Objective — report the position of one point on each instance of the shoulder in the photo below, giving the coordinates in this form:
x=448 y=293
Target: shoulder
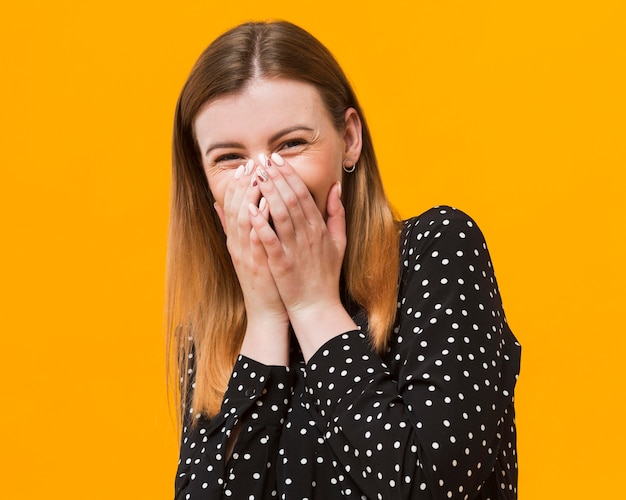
x=440 y=225
x=437 y=218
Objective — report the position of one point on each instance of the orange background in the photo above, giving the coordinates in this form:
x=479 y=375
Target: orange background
x=512 y=111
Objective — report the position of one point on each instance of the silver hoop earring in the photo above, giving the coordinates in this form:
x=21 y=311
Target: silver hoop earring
x=348 y=169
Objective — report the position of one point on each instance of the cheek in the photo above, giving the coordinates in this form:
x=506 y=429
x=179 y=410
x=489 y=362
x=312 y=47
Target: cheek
x=218 y=188
x=319 y=182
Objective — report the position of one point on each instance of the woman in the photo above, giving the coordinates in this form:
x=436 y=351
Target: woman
x=322 y=351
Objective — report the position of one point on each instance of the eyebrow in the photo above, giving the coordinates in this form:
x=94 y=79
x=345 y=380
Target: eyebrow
x=275 y=137
x=223 y=145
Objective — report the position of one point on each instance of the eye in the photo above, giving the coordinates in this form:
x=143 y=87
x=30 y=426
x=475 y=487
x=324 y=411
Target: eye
x=227 y=157
x=293 y=143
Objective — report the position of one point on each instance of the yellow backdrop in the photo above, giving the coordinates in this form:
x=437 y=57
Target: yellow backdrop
x=512 y=111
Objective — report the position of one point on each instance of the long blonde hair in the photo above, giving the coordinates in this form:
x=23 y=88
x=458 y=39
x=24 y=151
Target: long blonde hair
x=205 y=312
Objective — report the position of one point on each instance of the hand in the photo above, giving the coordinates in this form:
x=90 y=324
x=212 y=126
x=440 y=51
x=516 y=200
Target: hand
x=304 y=253
x=266 y=338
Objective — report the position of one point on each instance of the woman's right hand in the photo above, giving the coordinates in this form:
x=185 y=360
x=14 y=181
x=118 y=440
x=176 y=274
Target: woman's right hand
x=267 y=333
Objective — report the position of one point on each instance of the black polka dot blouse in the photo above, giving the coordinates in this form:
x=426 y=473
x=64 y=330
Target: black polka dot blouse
x=431 y=419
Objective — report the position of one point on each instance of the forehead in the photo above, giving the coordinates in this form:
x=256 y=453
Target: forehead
x=265 y=102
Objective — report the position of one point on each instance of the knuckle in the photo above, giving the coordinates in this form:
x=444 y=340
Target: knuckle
x=291 y=201
x=242 y=220
x=301 y=191
x=280 y=217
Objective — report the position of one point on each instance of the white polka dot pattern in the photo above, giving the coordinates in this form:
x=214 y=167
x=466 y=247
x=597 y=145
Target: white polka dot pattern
x=431 y=419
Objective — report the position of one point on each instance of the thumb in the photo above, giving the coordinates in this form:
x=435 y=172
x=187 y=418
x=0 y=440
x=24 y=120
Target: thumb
x=220 y=214
x=336 y=221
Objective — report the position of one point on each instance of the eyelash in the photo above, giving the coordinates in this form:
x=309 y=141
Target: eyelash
x=227 y=157
x=291 y=143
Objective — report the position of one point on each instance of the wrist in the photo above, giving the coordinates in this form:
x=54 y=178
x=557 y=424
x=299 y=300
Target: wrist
x=316 y=324
x=267 y=339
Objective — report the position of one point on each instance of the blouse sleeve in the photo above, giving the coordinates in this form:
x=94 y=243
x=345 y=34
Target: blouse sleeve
x=436 y=427
x=256 y=401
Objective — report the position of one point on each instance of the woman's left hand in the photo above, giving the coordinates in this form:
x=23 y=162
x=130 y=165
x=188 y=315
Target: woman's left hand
x=305 y=253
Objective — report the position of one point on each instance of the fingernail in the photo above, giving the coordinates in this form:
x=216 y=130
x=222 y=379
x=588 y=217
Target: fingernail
x=262 y=204
x=253 y=182
x=254 y=211
x=278 y=159
x=339 y=190
x=238 y=172
x=249 y=166
x=264 y=160
x=262 y=174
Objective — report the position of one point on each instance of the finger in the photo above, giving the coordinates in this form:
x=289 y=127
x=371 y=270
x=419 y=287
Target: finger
x=282 y=215
x=229 y=195
x=336 y=220
x=235 y=218
x=287 y=195
x=264 y=208
x=284 y=175
x=220 y=214
x=236 y=192
x=240 y=180
x=266 y=235
x=250 y=195
x=265 y=213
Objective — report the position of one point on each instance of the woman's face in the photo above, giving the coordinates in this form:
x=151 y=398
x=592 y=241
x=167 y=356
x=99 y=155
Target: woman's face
x=276 y=116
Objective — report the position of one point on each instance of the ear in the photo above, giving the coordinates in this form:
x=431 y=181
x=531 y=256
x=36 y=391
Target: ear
x=353 y=135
